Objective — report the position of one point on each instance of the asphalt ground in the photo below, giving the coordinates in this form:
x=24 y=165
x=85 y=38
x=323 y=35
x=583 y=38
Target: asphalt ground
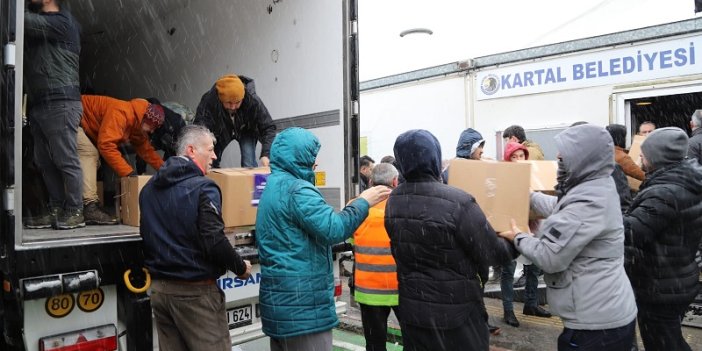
x=533 y=334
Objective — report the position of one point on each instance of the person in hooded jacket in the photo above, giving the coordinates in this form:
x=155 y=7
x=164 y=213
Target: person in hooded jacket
x=470 y=146
x=515 y=151
x=295 y=229
x=663 y=228
x=441 y=242
x=185 y=249
x=232 y=110
x=580 y=245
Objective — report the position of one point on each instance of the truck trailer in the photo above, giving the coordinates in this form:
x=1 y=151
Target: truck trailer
x=66 y=289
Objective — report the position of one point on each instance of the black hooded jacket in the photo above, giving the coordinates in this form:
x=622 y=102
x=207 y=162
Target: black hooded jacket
x=663 y=228
x=252 y=118
x=440 y=239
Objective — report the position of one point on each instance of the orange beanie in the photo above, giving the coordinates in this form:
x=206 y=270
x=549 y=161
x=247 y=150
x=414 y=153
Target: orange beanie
x=230 y=88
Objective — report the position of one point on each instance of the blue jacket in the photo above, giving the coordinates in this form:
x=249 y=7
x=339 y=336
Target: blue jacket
x=175 y=245
x=295 y=229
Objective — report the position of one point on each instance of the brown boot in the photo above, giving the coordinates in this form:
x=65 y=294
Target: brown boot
x=94 y=215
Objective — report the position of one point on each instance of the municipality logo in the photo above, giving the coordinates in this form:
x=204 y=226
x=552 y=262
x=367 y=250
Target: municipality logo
x=490 y=84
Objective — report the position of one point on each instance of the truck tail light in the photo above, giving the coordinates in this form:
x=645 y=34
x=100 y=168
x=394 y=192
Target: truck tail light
x=103 y=338
x=337 y=287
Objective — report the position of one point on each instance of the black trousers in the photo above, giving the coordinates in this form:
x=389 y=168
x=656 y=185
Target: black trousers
x=615 y=339
x=472 y=335
x=375 y=325
x=660 y=327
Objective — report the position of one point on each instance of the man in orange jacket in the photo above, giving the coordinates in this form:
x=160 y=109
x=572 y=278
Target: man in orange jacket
x=105 y=125
x=375 y=277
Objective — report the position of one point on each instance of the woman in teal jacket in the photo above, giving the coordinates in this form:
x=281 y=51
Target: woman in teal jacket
x=295 y=229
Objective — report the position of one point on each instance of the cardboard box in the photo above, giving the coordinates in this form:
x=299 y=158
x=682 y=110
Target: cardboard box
x=129 y=198
x=500 y=188
x=635 y=154
x=241 y=189
x=543 y=176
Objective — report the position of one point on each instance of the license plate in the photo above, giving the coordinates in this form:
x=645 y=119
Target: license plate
x=239 y=316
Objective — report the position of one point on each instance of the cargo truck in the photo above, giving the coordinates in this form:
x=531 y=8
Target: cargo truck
x=83 y=289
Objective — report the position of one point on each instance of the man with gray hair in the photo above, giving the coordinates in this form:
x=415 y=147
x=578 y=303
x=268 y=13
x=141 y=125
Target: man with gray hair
x=695 y=149
x=375 y=287
x=185 y=249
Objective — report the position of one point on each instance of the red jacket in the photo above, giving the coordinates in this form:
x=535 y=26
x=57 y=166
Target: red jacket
x=109 y=122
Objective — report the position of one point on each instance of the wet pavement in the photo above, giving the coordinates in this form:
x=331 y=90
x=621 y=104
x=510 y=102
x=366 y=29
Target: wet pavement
x=533 y=334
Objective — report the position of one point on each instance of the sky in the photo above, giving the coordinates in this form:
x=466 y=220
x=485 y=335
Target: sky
x=464 y=29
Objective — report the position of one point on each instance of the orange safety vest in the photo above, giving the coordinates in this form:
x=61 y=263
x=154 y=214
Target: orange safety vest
x=375 y=277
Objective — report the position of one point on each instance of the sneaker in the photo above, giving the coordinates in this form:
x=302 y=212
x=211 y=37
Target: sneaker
x=536 y=311
x=511 y=319
x=43 y=221
x=71 y=219
x=94 y=215
x=521 y=281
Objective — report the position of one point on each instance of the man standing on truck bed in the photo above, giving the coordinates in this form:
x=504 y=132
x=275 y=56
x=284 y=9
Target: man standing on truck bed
x=107 y=123
x=52 y=48
x=185 y=248
x=232 y=110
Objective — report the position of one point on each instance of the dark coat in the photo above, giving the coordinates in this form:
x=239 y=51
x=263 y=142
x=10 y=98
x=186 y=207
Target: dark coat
x=695 y=148
x=663 y=228
x=251 y=119
x=439 y=237
x=181 y=225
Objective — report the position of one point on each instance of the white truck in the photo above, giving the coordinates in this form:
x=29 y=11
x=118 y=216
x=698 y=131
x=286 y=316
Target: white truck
x=65 y=290
x=648 y=74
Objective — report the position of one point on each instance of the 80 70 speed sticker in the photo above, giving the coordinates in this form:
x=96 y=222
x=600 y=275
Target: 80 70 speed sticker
x=60 y=305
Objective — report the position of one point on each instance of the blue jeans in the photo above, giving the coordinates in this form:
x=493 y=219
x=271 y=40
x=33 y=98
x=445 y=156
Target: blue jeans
x=247 y=146
x=615 y=339
x=507 y=285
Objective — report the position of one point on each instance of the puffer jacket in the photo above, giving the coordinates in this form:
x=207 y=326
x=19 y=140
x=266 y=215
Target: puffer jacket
x=252 y=118
x=439 y=237
x=663 y=230
x=295 y=229
x=109 y=122
x=580 y=244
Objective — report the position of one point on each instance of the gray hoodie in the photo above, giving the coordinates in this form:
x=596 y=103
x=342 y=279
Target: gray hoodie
x=580 y=245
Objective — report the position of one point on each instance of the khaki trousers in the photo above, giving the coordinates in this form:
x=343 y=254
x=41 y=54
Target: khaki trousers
x=89 y=163
x=190 y=317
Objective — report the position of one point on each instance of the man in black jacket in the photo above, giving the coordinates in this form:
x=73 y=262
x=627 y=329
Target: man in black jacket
x=185 y=248
x=52 y=49
x=695 y=150
x=232 y=110
x=663 y=228
x=440 y=240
